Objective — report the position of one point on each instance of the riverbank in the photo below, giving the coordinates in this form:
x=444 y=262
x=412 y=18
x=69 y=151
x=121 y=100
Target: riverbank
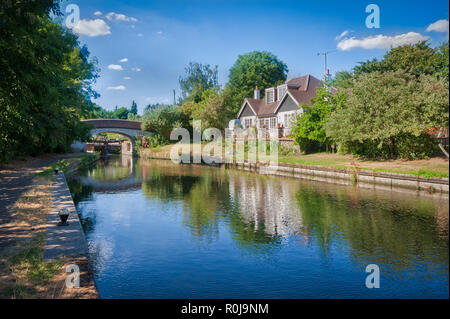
x=424 y=175
x=26 y=192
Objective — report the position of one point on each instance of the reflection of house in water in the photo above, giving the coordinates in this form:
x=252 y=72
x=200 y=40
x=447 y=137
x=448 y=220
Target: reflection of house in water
x=266 y=203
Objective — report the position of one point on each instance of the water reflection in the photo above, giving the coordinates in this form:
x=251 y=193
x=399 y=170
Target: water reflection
x=289 y=222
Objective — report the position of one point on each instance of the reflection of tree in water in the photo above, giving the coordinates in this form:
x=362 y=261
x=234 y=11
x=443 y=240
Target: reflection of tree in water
x=207 y=201
x=79 y=191
x=88 y=221
x=82 y=193
x=392 y=231
x=111 y=169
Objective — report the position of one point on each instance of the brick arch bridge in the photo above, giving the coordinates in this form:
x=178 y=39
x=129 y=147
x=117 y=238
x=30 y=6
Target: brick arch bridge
x=130 y=129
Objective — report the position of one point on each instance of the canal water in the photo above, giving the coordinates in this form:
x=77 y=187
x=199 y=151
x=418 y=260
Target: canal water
x=160 y=230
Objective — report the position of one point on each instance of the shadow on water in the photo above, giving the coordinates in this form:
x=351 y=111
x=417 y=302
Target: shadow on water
x=285 y=221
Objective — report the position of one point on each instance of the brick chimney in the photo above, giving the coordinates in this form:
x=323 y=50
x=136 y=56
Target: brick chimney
x=257 y=94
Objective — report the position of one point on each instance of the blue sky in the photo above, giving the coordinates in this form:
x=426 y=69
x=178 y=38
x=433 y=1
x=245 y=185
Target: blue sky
x=156 y=39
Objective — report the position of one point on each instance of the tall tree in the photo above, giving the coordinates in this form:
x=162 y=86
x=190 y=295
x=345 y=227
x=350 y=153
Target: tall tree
x=309 y=128
x=257 y=68
x=134 y=108
x=46 y=80
x=198 y=78
x=342 y=80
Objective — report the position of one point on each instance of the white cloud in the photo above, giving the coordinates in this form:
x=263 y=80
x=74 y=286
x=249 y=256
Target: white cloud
x=117 y=88
x=381 y=41
x=126 y=78
x=91 y=28
x=112 y=16
x=159 y=33
x=124 y=60
x=343 y=34
x=98 y=13
x=140 y=35
x=136 y=69
x=438 y=26
x=115 y=67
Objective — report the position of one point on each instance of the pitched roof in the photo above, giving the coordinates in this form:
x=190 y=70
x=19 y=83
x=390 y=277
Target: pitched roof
x=302 y=89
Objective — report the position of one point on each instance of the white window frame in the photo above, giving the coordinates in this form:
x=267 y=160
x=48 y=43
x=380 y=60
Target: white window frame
x=281 y=91
x=272 y=92
x=273 y=122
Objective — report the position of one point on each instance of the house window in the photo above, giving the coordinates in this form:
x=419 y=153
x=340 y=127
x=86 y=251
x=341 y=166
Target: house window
x=273 y=122
x=248 y=123
x=270 y=95
x=288 y=119
x=261 y=123
x=281 y=91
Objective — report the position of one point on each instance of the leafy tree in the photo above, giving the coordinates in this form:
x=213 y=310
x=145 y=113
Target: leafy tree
x=121 y=113
x=211 y=110
x=257 y=68
x=309 y=128
x=46 y=80
x=388 y=114
x=198 y=79
x=342 y=80
x=164 y=119
x=134 y=108
x=417 y=59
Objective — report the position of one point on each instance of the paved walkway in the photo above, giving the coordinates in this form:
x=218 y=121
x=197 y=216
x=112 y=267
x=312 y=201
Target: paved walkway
x=63 y=241
x=15 y=179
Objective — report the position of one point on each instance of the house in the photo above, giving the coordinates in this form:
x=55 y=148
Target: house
x=280 y=104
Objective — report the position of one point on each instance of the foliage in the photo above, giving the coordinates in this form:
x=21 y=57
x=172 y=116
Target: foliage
x=198 y=79
x=164 y=119
x=257 y=68
x=387 y=115
x=134 y=108
x=133 y=117
x=121 y=113
x=211 y=109
x=46 y=81
x=342 y=80
x=309 y=128
x=152 y=141
x=416 y=59
x=152 y=106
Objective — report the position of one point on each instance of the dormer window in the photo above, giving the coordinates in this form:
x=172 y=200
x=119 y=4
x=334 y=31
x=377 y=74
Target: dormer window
x=270 y=95
x=281 y=90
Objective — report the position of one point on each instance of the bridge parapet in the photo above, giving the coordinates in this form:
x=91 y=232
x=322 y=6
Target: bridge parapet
x=130 y=129
x=114 y=123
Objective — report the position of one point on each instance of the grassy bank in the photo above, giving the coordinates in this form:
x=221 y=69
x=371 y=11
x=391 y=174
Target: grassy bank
x=431 y=168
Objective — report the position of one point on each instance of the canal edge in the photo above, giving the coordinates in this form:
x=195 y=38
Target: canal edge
x=68 y=243
x=357 y=177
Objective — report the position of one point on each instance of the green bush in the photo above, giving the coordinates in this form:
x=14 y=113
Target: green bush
x=163 y=119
